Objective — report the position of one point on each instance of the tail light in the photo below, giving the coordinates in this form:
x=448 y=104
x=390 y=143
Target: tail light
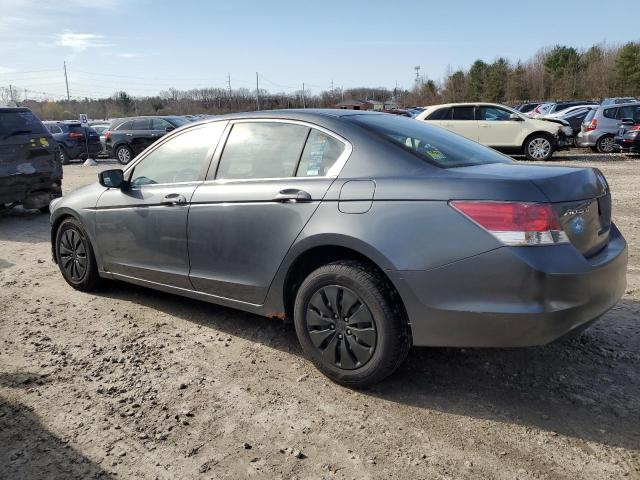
x=593 y=125
x=107 y=135
x=76 y=135
x=515 y=223
x=635 y=128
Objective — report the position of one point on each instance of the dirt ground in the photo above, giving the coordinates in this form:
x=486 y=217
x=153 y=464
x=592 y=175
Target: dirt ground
x=132 y=383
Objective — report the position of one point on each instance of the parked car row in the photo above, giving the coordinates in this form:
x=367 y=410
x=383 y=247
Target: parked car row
x=74 y=141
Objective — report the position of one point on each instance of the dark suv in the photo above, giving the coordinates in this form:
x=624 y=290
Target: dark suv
x=72 y=139
x=30 y=172
x=127 y=137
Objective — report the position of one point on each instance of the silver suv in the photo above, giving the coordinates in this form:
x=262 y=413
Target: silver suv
x=601 y=125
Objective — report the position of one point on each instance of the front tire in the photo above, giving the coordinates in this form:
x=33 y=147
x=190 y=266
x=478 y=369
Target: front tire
x=75 y=257
x=538 y=147
x=350 y=323
x=605 y=144
x=123 y=154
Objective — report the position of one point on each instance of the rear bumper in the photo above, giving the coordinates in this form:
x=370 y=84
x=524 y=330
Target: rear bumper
x=626 y=147
x=34 y=191
x=78 y=151
x=587 y=139
x=513 y=296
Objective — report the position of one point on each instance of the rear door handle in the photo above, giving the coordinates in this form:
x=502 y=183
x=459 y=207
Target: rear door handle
x=292 y=195
x=129 y=134
x=174 y=199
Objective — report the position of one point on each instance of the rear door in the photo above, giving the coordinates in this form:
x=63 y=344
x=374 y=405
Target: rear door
x=462 y=120
x=496 y=129
x=141 y=134
x=270 y=178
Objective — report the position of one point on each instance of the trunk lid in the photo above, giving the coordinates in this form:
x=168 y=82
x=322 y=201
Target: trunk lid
x=580 y=196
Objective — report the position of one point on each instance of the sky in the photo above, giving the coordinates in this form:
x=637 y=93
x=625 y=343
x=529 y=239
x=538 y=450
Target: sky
x=145 y=46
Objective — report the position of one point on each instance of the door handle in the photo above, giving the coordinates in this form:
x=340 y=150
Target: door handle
x=129 y=134
x=484 y=125
x=292 y=195
x=174 y=199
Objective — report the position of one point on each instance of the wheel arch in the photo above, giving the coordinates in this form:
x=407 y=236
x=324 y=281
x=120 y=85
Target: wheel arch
x=55 y=224
x=539 y=133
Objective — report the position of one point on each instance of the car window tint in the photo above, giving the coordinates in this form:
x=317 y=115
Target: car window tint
x=160 y=124
x=610 y=112
x=54 y=129
x=320 y=153
x=462 y=113
x=180 y=159
x=24 y=122
x=438 y=114
x=433 y=144
x=125 y=126
x=493 y=114
x=140 y=124
x=262 y=150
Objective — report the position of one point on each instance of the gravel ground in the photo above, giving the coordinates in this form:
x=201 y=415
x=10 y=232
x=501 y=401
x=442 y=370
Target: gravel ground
x=132 y=383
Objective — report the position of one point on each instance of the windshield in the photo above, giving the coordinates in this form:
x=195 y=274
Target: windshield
x=433 y=144
x=19 y=122
x=179 y=121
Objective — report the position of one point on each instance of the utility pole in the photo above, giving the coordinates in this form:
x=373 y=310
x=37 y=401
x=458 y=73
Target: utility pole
x=229 y=83
x=11 y=93
x=417 y=69
x=66 y=81
x=257 y=92
x=304 y=105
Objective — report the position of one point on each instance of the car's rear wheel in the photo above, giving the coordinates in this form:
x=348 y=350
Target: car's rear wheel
x=350 y=323
x=75 y=257
x=538 y=147
x=123 y=154
x=605 y=144
x=63 y=156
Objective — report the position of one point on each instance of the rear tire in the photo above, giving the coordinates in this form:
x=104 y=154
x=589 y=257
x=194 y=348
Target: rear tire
x=605 y=144
x=123 y=154
x=63 y=155
x=75 y=257
x=538 y=147
x=350 y=323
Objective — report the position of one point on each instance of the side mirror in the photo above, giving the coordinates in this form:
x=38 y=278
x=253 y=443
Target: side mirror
x=516 y=117
x=169 y=129
x=112 y=178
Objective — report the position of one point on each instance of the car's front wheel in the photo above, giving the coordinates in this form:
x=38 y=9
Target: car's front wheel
x=350 y=323
x=538 y=147
x=75 y=257
x=123 y=154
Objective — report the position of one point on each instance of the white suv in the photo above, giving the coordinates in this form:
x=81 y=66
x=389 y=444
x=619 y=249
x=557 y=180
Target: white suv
x=501 y=127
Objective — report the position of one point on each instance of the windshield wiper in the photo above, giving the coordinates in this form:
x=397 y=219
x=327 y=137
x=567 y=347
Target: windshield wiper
x=17 y=132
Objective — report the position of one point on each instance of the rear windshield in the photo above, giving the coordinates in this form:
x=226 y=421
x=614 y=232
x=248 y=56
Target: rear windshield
x=433 y=144
x=590 y=115
x=16 y=123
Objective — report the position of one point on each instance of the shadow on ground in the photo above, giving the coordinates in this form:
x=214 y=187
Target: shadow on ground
x=29 y=451
x=587 y=387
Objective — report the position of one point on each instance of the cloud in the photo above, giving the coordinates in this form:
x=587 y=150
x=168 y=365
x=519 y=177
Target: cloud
x=79 y=42
x=128 y=55
x=5 y=70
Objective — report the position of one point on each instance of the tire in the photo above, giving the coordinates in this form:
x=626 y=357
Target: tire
x=362 y=345
x=605 y=144
x=538 y=147
x=63 y=155
x=75 y=257
x=123 y=154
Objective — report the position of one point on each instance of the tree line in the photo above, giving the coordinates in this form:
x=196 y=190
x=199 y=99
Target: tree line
x=552 y=73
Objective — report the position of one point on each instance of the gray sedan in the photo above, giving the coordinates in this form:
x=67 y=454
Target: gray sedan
x=371 y=232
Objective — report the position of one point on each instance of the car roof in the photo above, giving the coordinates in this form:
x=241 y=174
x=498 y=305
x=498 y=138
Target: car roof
x=14 y=109
x=431 y=108
x=291 y=114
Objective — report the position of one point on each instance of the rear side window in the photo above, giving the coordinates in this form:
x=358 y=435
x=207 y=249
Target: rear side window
x=463 y=113
x=160 y=124
x=628 y=111
x=432 y=144
x=610 y=112
x=179 y=159
x=438 y=114
x=320 y=153
x=54 y=128
x=125 y=126
x=16 y=123
x=141 y=124
x=262 y=150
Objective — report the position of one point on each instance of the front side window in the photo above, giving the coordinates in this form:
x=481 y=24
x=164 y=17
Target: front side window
x=262 y=150
x=180 y=159
x=435 y=145
x=494 y=114
x=320 y=153
x=160 y=124
x=463 y=113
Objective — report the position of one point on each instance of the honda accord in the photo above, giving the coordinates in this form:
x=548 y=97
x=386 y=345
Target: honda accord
x=371 y=232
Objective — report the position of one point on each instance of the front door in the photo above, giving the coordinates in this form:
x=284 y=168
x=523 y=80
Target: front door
x=268 y=183
x=142 y=230
x=497 y=129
